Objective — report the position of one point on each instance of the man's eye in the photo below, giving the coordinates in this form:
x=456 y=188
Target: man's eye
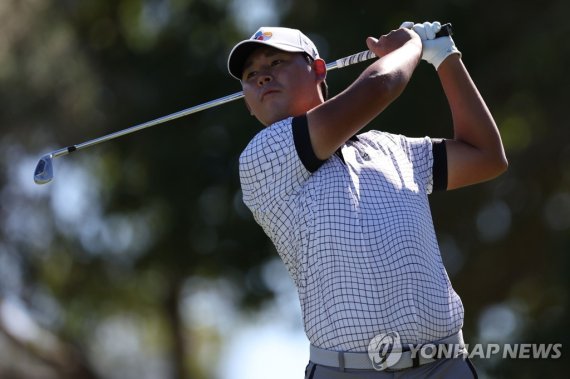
x=250 y=74
x=276 y=62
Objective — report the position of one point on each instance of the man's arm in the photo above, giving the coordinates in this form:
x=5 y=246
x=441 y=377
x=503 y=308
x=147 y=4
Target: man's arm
x=332 y=123
x=475 y=153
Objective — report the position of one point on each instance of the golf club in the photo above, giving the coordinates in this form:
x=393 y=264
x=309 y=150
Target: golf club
x=44 y=169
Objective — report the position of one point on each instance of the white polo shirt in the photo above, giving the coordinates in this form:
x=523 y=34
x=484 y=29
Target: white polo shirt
x=356 y=235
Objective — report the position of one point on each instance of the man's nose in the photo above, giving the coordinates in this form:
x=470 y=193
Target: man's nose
x=264 y=79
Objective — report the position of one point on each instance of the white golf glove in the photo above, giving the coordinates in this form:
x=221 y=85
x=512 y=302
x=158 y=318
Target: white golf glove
x=435 y=50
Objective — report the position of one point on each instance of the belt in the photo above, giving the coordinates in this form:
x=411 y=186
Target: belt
x=411 y=356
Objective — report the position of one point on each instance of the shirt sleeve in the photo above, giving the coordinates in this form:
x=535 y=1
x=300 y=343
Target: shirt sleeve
x=271 y=177
x=429 y=159
x=420 y=154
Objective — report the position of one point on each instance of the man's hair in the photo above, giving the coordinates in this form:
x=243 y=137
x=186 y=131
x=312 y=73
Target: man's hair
x=324 y=86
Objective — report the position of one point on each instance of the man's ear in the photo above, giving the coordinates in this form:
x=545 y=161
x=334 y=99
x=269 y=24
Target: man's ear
x=320 y=68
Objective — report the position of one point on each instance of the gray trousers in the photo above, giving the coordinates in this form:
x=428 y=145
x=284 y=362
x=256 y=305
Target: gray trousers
x=447 y=368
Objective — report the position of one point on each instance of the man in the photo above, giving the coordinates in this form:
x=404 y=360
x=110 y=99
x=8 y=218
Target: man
x=349 y=214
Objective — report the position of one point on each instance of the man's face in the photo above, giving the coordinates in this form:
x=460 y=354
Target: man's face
x=278 y=84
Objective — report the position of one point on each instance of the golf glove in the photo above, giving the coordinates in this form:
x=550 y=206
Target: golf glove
x=435 y=50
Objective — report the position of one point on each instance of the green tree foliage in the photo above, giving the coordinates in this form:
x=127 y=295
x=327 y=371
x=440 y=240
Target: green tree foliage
x=119 y=237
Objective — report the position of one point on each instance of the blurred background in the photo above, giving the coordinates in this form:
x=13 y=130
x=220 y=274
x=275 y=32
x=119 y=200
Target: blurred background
x=140 y=260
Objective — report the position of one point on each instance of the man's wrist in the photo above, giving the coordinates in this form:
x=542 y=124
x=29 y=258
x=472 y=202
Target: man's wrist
x=450 y=61
x=450 y=58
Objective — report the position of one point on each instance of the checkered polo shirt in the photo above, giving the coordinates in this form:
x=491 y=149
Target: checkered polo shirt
x=355 y=233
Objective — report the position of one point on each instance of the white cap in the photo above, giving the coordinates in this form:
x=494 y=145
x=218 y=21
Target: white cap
x=291 y=40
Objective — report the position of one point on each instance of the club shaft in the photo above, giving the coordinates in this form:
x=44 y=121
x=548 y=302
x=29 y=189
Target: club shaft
x=353 y=59
x=340 y=63
x=148 y=124
x=347 y=61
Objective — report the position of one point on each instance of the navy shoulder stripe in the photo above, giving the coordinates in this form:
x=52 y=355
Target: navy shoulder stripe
x=439 y=165
x=303 y=144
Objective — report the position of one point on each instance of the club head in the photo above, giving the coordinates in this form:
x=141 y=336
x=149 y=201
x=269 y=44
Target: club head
x=44 y=170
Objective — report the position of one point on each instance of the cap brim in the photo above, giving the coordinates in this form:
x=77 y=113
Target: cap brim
x=243 y=50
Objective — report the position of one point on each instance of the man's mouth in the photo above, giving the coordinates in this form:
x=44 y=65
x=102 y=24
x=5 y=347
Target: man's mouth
x=268 y=92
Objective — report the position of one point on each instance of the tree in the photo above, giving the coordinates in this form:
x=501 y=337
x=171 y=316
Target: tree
x=105 y=255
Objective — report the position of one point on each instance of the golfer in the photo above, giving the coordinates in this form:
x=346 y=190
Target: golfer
x=348 y=213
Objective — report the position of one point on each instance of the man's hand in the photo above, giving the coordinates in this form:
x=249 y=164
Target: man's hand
x=392 y=41
x=435 y=50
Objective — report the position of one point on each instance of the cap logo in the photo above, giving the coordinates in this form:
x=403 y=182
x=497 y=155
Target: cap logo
x=262 y=36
